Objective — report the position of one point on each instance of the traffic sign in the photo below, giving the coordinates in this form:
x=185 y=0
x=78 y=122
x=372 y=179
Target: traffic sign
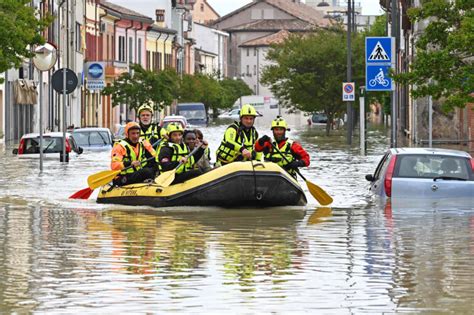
x=57 y=81
x=377 y=78
x=379 y=50
x=348 y=91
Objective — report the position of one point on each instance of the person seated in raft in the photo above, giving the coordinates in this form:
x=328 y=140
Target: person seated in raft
x=148 y=130
x=174 y=151
x=190 y=138
x=294 y=153
x=131 y=151
x=239 y=139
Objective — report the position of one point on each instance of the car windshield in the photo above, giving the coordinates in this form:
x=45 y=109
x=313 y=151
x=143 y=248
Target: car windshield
x=50 y=145
x=193 y=114
x=432 y=166
x=87 y=138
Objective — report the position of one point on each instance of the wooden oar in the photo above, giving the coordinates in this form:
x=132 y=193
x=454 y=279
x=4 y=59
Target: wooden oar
x=165 y=179
x=317 y=192
x=102 y=178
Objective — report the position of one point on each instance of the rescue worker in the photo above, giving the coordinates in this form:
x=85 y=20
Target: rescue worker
x=191 y=138
x=148 y=130
x=239 y=139
x=174 y=150
x=294 y=153
x=131 y=151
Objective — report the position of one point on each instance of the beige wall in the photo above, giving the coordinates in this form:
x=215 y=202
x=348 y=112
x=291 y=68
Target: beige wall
x=202 y=12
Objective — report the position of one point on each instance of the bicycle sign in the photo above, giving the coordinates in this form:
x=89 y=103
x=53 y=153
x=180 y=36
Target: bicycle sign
x=377 y=78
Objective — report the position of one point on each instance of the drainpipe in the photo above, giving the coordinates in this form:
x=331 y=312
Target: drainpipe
x=164 y=49
x=156 y=43
x=136 y=41
x=128 y=61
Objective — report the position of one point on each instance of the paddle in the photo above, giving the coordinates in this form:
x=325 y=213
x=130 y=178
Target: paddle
x=102 y=178
x=165 y=179
x=317 y=192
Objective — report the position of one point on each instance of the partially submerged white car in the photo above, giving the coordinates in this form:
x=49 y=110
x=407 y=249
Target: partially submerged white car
x=29 y=146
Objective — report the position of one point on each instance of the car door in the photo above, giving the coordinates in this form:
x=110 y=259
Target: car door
x=377 y=185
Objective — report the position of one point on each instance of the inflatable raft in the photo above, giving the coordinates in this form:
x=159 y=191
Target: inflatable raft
x=239 y=184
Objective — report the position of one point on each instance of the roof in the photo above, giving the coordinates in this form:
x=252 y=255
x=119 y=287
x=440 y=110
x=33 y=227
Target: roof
x=436 y=151
x=299 y=11
x=273 y=25
x=267 y=40
x=160 y=29
x=127 y=13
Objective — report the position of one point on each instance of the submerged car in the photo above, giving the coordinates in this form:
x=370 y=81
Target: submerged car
x=95 y=139
x=423 y=173
x=29 y=146
x=174 y=119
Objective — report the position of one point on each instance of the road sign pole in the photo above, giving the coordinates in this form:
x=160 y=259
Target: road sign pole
x=394 y=92
x=64 y=116
x=362 y=121
x=41 y=118
x=349 y=74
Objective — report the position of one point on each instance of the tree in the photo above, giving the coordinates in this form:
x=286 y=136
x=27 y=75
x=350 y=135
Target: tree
x=308 y=71
x=443 y=65
x=21 y=30
x=156 y=89
x=233 y=90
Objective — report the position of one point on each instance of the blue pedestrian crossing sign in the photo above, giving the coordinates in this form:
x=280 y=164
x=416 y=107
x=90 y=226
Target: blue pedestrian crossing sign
x=379 y=50
x=377 y=78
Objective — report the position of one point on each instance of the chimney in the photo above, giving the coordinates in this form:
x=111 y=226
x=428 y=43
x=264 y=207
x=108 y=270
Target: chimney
x=160 y=17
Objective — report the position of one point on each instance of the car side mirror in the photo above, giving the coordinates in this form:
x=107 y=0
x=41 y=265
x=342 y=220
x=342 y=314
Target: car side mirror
x=15 y=151
x=370 y=177
x=79 y=150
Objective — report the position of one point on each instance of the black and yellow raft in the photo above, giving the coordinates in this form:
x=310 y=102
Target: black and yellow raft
x=239 y=184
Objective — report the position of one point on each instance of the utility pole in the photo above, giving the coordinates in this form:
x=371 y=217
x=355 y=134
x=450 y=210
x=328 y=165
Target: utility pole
x=394 y=93
x=349 y=72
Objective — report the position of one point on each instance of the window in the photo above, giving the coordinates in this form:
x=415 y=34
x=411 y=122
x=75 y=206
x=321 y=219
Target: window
x=148 y=60
x=248 y=70
x=139 y=57
x=255 y=52
x=160 y=61
x=248 y=52
x=121 y=50
x=78 y=37
x=202 y=7
x=255 y=89
x=254 y=69
x=130 y=50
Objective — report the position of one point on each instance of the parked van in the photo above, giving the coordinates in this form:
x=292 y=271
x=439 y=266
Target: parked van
x=195 y=113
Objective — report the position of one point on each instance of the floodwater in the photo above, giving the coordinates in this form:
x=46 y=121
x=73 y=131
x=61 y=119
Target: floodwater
x=61 y=256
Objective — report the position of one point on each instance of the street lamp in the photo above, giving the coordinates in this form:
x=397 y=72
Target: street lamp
x=44 y=59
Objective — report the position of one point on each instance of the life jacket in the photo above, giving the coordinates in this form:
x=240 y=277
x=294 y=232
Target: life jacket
x=179 y=150
x=131 y=156
x=152 y=134
x=227 y=153
x=277 y=157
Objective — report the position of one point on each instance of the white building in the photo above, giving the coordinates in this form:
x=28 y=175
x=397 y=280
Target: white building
x=210 y=50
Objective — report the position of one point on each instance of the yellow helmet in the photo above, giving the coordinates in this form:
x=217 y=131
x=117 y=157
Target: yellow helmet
x=174 y=127
x=144 y=107
x=248 y=110
x=279 y=123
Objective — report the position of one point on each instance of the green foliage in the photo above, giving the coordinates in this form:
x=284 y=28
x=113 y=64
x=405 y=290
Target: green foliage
x=20 y=31
x=308 y=71
x=444 y=53
x=156 y=89
x=233 y=89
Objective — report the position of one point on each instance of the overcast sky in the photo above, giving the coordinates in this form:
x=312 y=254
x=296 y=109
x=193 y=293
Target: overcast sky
x=147 y=7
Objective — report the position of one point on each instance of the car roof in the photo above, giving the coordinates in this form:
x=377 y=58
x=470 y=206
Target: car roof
x=91 y=129
x=174 y=118
x=46 y=134
x=434 y=151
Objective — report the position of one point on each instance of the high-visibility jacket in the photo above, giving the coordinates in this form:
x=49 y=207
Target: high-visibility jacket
x=152 y=133
x=177 y=151
x=236 y=139
x=282 y=158
x=124 y=153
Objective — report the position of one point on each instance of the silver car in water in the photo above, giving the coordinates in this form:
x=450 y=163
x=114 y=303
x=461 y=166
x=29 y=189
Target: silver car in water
x=424 y=173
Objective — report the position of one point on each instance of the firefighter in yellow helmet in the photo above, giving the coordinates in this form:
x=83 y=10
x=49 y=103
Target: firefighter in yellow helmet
x=239 y=139
x=149 y=130
x=173 y=151
x=287 y=153
x=130 y=154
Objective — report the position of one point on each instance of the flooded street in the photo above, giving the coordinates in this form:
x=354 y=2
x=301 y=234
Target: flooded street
x=62 y=256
